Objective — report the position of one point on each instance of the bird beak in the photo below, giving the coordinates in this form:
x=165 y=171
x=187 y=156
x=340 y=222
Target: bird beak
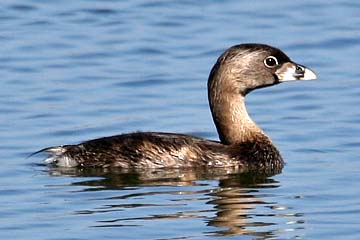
x=291 y=71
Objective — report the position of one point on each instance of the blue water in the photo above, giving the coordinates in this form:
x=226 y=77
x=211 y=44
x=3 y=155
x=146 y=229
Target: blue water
x=76 y=70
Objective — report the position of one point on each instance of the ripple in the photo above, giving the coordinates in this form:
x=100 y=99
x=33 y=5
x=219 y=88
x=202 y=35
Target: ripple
x=23 y=7
x=95 y=68
x=100 y=11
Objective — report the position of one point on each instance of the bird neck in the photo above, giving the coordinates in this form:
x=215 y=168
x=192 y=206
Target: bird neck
x=233 y=123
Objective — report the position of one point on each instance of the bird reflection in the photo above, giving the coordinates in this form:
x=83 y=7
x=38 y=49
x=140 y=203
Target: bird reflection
x=236 y=203
x=242 y=203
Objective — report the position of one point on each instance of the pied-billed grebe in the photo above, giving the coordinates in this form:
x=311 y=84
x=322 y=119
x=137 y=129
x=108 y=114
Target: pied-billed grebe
x=243 y=145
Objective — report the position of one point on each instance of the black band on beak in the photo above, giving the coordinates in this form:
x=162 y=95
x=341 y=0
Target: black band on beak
x=299 y=71
x=290 y=71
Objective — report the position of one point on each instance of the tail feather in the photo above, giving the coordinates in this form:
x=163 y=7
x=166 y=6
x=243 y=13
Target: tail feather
x=57 y=155
x=56 y=149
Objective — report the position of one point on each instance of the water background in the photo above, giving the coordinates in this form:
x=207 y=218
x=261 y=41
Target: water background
x=76 y=70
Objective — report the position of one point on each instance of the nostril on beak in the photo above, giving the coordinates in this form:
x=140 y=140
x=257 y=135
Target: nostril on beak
x=299 y=71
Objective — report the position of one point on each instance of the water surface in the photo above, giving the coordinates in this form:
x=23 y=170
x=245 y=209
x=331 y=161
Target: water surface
x=76 y=70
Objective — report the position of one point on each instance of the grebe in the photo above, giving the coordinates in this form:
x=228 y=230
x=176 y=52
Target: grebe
x=243 y=145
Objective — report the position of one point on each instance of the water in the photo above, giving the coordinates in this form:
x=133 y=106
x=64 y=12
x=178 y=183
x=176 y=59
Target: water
x=76 y=70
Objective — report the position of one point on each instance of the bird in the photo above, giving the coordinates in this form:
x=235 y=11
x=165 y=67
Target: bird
x=242 y=143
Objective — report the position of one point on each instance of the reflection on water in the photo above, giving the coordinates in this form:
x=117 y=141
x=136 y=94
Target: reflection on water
x=87 y=69
x=245 y=210
x=233 y=203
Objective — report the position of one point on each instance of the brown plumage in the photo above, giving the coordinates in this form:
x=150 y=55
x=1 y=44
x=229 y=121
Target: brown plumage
x=243 y=145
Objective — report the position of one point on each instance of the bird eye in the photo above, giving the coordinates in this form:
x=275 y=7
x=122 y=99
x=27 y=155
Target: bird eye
x=271 y=62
